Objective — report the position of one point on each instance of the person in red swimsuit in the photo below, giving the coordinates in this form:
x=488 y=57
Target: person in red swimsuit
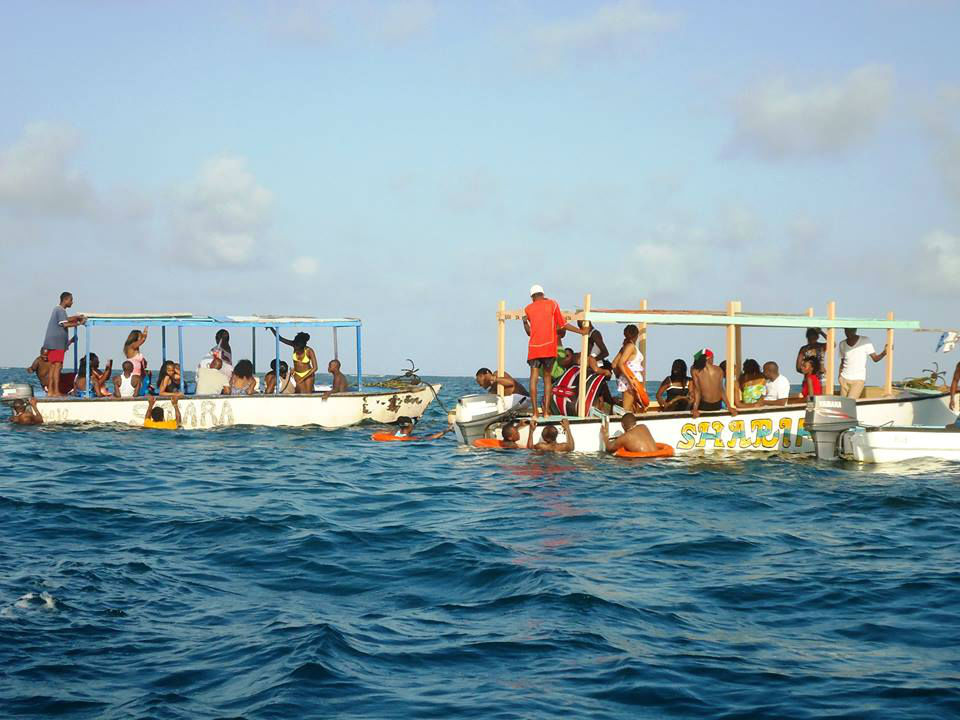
x=542 y=321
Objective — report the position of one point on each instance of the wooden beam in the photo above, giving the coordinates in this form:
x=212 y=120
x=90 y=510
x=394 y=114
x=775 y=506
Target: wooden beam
x=584 y=358
x=831 y=348
x=888 y=385
x=501 y=344
x=738 y=307
x=642 y=340
x=731 y=356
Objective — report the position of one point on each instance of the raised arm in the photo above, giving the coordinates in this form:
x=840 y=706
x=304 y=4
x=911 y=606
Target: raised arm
x=533 y=426
x=176 y=410
x=568 y=445
x=281 y=338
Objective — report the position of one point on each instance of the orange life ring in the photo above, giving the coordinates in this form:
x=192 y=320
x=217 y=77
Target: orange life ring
x=390 y=437
x=663 y=450
x=488 y=443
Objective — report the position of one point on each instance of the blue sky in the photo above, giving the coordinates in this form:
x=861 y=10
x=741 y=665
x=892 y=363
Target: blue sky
x=412 y=162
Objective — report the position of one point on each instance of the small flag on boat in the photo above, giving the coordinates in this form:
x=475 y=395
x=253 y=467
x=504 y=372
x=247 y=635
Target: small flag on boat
x=947 y=342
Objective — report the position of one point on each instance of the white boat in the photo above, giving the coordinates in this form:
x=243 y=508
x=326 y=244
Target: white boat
x=767 y=428
x=770 y=429
x=840 y=429
x=214 y=411
x=274 y=410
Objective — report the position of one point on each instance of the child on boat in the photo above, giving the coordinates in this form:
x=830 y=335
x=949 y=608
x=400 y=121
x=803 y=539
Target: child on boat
x=126 y=384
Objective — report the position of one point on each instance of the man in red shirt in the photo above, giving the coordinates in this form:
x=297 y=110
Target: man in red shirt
x=543 y=320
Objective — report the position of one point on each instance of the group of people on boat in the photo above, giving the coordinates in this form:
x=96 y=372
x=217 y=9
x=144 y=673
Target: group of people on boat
x=216 y=373
x=699 y=388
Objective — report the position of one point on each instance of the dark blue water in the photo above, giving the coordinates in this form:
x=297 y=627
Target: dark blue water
x=300 y=573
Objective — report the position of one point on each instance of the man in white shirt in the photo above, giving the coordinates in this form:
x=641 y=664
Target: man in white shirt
x=854 y=352
x=778 y=387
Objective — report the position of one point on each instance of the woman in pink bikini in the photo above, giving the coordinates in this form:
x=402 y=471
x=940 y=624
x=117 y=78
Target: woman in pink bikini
x=131 y=351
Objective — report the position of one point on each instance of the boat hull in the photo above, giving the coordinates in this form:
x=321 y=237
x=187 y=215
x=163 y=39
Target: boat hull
x=771 y=429
x=897 y=444
x=213 y=411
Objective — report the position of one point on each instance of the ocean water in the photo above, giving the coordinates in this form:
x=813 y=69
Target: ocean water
x=261 y=573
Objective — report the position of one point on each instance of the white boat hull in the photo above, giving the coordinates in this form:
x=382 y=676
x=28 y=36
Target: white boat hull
x=896 y=444
x=213 y=411
x=773 y=429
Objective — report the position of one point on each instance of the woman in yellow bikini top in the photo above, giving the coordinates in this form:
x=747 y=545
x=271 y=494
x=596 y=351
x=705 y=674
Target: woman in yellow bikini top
x=304 y=361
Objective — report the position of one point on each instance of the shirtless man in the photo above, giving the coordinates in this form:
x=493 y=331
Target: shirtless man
x=511 y=437
x=26 y=414
x=340 y=382
x=41 y=368
x=488 y=380
x=635 y=438
x=706 y=384
x=548 y=438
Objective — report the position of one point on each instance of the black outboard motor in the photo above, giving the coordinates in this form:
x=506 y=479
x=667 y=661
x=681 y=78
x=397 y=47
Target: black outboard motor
x=827 y=417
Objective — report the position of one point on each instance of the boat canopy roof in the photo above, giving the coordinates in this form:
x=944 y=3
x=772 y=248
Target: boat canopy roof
x=191 y=320
x=742 y=319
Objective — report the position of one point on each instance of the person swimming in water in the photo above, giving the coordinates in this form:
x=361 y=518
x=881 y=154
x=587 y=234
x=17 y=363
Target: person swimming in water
x=26 y=413
x=405 y=426
x=155 y=418
x=635 y=438
x=305 y=364
x=548 y=438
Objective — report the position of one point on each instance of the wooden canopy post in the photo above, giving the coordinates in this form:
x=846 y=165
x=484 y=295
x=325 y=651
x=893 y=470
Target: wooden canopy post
x=810 y=312
x=738 y=307
x=831 y=347
x=584 y=362
x=888 y=386
x=501 y=344
x=642 y=341
x=731 y=356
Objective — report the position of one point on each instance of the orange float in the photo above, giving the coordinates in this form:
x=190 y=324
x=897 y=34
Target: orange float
x=663 y=451
x=489 y=443
x=390 y=437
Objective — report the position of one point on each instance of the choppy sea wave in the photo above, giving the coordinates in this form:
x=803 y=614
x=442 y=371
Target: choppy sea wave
x=268 y=573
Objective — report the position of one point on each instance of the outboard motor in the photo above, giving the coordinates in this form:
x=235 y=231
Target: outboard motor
x=15 y=391
x=827 y=417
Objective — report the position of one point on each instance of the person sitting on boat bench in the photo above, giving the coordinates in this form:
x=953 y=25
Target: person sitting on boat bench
x=488 y=380
x=242 y=381
x=156 y=419
x=126 y=384
x=98 y=380
x=777 y=391
x=673 y=395
x=26 y=413
x=854 y=351
x=548 y=438
x=305 y=363
x=287 y=386
x=635 y=438
x=211 y=379
x=707 y=383
x=340 y=382
x=168 y=382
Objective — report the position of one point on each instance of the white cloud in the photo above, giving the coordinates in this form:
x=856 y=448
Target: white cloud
x=937 y=265
x=223 y=214
x=37 y=177
x=775 y=121
x=611 y=28
x=401 y=20
x=305 y=266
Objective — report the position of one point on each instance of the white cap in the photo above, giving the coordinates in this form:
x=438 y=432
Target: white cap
x=534 y=289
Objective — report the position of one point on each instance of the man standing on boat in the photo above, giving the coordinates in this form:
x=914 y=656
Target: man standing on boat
x=57 y=340
x=542 y=320
x=854 y=352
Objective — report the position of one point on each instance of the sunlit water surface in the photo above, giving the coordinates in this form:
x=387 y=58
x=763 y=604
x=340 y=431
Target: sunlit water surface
x=267 y=573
